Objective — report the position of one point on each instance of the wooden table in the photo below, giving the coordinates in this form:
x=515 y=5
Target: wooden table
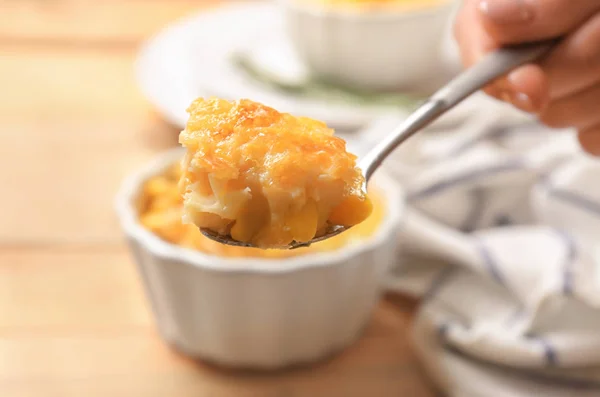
x=73 y=319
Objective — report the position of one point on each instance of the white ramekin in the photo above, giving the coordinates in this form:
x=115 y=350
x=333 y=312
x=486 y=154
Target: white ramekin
x=375 y=50
x=260 y=313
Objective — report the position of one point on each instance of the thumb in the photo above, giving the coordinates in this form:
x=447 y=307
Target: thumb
x=518 y=21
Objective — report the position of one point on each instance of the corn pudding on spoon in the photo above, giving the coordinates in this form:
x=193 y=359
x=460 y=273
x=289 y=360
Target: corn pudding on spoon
x=356 y=205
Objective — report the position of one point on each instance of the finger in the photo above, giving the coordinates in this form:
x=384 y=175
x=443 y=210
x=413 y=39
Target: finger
x=474 y=42
x=526 y=88
x=472 y=39
x=579 y=110
x=590 y=140
x=575 y=63
x=518 y=21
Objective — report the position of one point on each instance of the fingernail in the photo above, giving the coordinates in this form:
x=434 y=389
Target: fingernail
x=518 y=99
x=522 y=101
x=506 y=11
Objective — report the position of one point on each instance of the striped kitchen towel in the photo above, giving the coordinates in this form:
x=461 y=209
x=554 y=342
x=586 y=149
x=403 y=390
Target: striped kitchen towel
x=502 y=243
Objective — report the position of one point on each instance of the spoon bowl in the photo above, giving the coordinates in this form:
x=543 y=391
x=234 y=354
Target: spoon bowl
x=331 y=231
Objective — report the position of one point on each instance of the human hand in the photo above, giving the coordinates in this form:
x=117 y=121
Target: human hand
x=563 y=89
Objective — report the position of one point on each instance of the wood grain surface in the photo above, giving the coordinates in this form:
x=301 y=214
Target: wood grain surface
x=73 y=319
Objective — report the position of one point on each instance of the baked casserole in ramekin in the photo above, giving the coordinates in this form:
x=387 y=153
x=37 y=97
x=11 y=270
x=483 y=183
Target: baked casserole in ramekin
x=243 y=307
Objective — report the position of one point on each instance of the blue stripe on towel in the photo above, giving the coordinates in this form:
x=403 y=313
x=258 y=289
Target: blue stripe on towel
x=549 y=351
x=466 y=177
x=489 y=262
x=575 y=199
x=548 y=379
x=443 y=330
x=503 y=220
x=475 y=212
x=571 y=257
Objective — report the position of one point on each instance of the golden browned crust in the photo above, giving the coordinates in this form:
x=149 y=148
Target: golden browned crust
x=266 y=177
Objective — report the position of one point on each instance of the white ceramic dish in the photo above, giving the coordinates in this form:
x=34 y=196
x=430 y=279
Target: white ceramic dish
x=191 y=58
x=383 y=49
x=259 y=313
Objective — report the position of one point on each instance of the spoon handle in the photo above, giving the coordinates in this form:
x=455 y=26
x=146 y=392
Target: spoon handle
x=492 y=66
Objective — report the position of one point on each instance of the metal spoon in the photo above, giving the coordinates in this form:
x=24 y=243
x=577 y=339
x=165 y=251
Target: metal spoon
x=492 y=66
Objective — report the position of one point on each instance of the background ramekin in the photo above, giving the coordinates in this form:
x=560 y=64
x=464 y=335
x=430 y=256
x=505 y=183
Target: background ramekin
x=260 y=313
x=375 y=50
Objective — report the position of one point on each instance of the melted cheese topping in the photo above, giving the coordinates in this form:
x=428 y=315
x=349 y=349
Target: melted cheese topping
x=265 y=177
x=161 y=210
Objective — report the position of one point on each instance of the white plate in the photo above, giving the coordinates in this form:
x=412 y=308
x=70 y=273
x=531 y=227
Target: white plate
x=191 y=58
